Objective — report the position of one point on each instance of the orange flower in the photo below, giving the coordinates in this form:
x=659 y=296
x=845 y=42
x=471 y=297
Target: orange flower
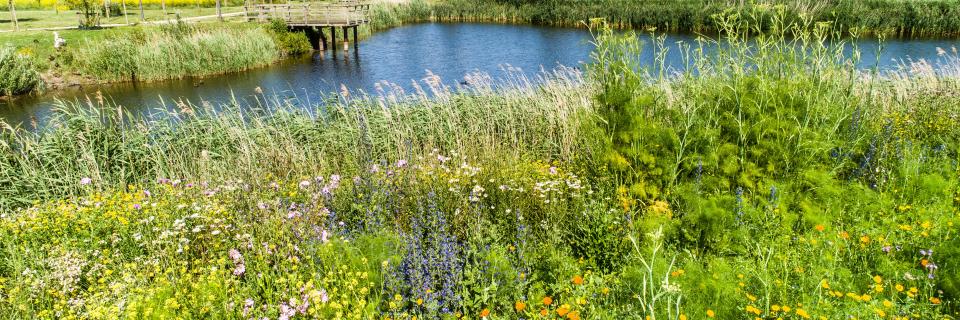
x=563 y=310
x=547 y=301
x=519 y=306
x=820 y=227
x=577 y=280
x=485 y=313
x=934 y=300
x=573 y=315
x=544 y=312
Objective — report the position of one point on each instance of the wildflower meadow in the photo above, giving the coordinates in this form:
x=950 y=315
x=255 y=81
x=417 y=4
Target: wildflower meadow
x=769 y=179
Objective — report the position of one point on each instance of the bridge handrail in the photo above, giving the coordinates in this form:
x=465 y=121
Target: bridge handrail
x=343 y=13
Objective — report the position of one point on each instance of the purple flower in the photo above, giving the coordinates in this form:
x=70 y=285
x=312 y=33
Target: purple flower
x=553 y=170
x=85 y=181
x=136 y=206
x=401 y=163
x=146 y=193
x=304 y=184
x=239 y=268
x=886 y=249
x=286 y=312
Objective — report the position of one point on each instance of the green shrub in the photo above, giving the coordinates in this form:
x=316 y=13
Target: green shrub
x=289 y=42
x=18 y=74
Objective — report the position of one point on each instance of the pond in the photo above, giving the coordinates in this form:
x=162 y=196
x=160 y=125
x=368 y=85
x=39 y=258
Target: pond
x=402 y=56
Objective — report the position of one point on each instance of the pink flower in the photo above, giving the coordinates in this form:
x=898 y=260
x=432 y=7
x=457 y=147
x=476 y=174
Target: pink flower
x=85 y=181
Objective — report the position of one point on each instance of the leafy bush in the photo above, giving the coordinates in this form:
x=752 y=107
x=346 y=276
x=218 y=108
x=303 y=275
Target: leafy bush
x=289 y=42
x=18 y=74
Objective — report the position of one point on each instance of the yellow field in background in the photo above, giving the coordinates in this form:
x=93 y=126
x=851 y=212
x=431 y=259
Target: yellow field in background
x=70 y=4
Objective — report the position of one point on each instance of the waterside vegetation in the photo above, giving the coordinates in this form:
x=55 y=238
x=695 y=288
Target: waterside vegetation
x=761 y=181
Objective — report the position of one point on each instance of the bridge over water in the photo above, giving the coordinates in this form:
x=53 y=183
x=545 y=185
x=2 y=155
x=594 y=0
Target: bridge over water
x=313 y=17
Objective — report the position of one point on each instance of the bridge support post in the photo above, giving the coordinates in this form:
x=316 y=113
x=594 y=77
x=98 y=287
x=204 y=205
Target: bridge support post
x=346 y=39
x=315 y=37
x=356 y=41
x=333 y=39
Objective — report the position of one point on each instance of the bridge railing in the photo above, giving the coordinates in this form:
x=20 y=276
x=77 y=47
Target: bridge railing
x=344 y=13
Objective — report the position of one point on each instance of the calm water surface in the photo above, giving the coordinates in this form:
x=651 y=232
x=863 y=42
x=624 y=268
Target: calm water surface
x=401 y=56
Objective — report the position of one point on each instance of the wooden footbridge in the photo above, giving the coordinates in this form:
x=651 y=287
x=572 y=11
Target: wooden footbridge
x=315 y=16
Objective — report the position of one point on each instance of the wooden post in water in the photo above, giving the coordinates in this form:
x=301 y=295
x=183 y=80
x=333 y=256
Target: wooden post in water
x=13 y=14
x=323 y=39
x=333 y=38
x=346 y=39
x=356 y=41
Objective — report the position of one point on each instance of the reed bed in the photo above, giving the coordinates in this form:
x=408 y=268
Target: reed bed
x=174 y=52
x=288 y=138
x=901 y=18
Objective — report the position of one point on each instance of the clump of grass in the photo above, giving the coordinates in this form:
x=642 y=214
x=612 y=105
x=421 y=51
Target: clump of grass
x=174 y=52
x=18 y=74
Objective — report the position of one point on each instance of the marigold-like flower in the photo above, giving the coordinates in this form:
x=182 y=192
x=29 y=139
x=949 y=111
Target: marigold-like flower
x=520 y=305
x=547 y=301
x=577 y=280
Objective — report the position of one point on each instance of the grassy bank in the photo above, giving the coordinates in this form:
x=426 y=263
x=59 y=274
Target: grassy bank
x=901 y=18
x=762 y=181
x=147 y=53
x=174 y=52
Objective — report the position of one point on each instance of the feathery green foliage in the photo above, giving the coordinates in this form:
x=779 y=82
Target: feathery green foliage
x=18 y=75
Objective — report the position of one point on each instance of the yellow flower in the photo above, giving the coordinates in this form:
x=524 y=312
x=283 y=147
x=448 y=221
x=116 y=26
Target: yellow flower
x=877 y=279
x=547 y=301
x=520 y=305
x=802 y=313
x=420 y=301
x=710 y=313
x=683 y=317
x=934 y=300
x=899 y=287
